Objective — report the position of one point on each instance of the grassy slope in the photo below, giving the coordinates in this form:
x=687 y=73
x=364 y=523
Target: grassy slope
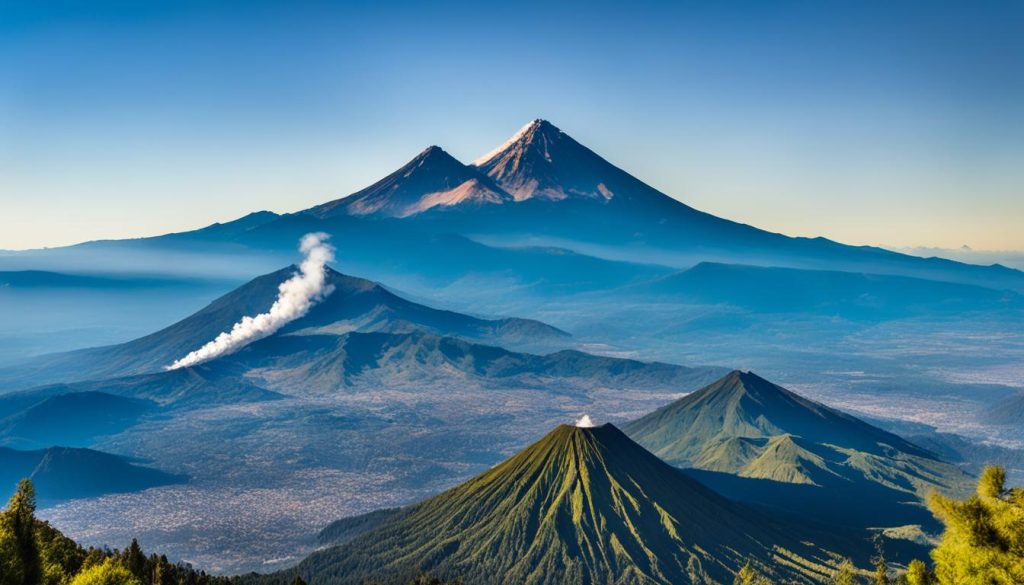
x=578 y=506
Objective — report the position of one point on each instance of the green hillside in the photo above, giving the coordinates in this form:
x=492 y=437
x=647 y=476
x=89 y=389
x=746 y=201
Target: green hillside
x=582 y=505
x=743 y=427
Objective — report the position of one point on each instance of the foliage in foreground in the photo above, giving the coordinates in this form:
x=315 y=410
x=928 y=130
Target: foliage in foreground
x=983 y=544
x=34 y=553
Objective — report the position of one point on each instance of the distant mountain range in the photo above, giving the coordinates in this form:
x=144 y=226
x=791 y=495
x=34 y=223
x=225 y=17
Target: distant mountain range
x=758 y=442
x=541 y=187
x=75 y=419
x=61 y=473
x=820 y=292
x=582 y=505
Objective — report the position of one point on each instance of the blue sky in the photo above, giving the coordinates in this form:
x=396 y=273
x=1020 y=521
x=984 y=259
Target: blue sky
x=893 y=123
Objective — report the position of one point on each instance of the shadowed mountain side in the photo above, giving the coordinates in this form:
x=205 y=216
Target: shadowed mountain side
x=581 y=505
x=205 y=385
x=841 y=510
x=863 y=504
x=851 y=295
x=355 y=304
x=325 y=362
x=73 y=420
x=61 y=473
x=346 y=529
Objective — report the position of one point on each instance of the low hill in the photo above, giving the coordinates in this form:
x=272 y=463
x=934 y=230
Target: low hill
x=1009 y=411
x=582 y=505
x=847 y=294
x=759 y=442
x=74 y=419
x=326 y=362
x=62 y=473
x=204 y=385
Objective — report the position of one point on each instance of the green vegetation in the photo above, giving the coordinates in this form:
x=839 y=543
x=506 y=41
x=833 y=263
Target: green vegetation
x=983 y=543
x=582 y=505
x=758 y=443
x=984 y=539
x=744 y=425
x=579 y=506
x=34 y=553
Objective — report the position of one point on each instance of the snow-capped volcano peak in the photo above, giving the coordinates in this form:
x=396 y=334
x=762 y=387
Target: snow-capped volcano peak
x=542 y=162
x=504 y=145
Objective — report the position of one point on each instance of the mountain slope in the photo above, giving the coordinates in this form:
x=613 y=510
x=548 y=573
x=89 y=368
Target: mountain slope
x=204 y=385
x=743 y=404
x=585 y=505
x=325 y=363
x=73 y=420
x=542 y=162
x=433 y=179
x=746 y=427
x=355 y=305
x=61 y=473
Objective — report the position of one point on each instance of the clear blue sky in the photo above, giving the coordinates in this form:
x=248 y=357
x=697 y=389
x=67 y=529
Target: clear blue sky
x=889 y=123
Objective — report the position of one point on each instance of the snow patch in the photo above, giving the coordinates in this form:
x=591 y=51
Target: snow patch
x=504 y=146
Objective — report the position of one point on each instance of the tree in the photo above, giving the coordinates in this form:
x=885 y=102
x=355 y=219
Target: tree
x=748 y=576
x=106 y=573
x=135 y=560
x=19 y=552
x=845 y=574
x=918 y=574
x=983 y=541
x=881 y=574
x=298 y=581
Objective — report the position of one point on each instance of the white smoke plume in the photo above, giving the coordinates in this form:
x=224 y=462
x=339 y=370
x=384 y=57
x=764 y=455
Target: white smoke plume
x=295 y=297
x=585 y=422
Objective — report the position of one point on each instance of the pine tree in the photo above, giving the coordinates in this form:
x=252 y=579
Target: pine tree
x=846 y=574
x=918 y=574
x=20 y=563
x=881 y=575
x=748 y=576
x=106 y=573
x=135 y=560
x=983 y=543
x=298 y=581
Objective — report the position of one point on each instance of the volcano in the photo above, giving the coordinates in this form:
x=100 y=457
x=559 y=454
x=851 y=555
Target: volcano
x=355 y=304
x=761 y=443
x=433 y=178
x=582 y=505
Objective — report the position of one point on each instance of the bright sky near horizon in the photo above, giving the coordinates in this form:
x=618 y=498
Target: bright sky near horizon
x=897 y=124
